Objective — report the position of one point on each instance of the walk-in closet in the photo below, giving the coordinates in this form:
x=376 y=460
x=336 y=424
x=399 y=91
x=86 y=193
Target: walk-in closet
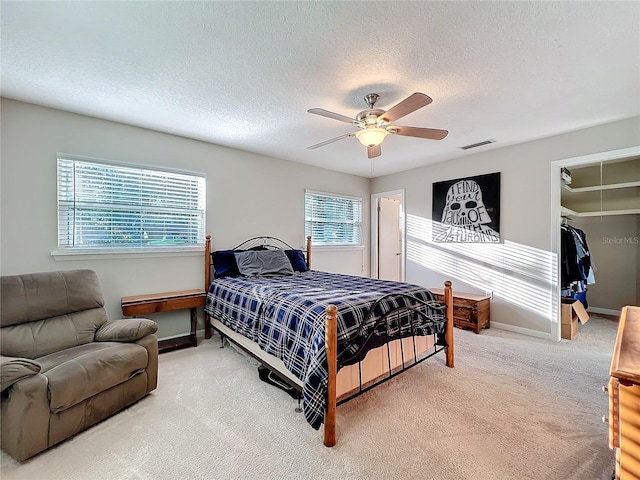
x=602 y=201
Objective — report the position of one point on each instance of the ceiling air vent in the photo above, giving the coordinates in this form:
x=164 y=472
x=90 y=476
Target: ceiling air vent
x=479 y=144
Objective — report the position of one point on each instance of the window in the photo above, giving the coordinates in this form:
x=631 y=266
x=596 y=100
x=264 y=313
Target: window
x=108 y=206
x=332 y=219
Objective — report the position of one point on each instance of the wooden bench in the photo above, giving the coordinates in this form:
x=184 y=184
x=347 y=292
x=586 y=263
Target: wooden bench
x=139 y=305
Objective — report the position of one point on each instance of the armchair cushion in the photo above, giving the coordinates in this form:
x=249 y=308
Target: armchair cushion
x=126 y=330
x=30 y=297
x=13 y=369
x=46 y=312
x=81 y=372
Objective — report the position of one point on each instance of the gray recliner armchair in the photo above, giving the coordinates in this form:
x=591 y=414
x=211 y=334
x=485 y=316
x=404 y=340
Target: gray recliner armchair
x=63 y=366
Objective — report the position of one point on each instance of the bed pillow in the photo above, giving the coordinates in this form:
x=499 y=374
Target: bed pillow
x=298 y=263
x=224 y=263
x=263 y=262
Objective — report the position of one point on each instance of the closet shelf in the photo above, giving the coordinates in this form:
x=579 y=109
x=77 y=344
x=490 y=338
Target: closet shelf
x=597 y=188
x=567 y=212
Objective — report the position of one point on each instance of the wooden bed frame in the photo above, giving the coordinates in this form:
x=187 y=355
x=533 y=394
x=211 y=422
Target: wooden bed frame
x=331 y=336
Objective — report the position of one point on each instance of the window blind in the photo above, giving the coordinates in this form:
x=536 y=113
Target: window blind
x=110 y=206
x=333 y=219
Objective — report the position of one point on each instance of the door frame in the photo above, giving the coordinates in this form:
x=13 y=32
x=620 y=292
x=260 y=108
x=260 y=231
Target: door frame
x=556 y=220
x=374 y=232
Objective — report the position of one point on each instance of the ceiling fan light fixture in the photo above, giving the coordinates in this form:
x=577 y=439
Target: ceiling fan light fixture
x=371 y=136
x=375 y=124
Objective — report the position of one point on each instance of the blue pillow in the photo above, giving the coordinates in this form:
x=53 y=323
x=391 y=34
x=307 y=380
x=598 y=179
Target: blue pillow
x=224 y=263
x=296 y=257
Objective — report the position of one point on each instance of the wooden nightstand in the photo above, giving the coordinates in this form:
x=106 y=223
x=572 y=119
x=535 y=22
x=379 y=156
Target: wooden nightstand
x=139 y=305
x=469 y=310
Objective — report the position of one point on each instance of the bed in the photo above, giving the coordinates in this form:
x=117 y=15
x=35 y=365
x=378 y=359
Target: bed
x=330 y=337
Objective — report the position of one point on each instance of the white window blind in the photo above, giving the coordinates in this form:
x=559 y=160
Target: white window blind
x=333 y=219
x=108 y=206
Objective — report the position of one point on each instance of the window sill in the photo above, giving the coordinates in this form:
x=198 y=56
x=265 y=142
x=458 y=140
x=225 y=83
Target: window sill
x=335 y=248
x=67 y=255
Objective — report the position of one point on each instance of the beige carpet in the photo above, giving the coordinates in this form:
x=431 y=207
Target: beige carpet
x=513 y=408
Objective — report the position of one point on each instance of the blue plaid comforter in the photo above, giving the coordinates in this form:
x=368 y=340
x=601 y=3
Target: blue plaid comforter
x=285 y=316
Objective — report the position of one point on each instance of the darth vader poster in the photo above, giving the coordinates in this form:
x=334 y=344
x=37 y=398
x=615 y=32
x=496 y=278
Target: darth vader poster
x=467 y=209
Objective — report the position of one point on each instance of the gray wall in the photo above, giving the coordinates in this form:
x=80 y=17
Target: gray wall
x=521 y=271
x=614 y=243
x=247 y=195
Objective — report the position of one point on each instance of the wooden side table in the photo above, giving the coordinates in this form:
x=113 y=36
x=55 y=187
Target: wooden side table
x=469 y=310
x=139 y=305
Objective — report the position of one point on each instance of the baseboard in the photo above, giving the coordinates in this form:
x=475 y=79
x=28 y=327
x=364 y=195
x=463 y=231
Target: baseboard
x=604 y=311
x=523 y=331
x=199 y=334
x=176 y=343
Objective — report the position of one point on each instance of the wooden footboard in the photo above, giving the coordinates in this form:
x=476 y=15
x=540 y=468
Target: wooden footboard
x=331 y=340
x=331 y=336
x=448 y=301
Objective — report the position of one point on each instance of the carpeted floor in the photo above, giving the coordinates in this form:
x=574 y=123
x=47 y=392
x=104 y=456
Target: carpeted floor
x=514 y=407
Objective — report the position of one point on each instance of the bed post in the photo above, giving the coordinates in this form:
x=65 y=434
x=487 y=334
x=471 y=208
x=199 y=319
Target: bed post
x=331 y=340
x=207 y=262
x=309 y=252
x=207 y=281
x=448 y=301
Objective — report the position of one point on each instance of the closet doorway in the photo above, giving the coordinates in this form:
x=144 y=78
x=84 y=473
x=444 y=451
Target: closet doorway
x=603 y=201
x=387 y=236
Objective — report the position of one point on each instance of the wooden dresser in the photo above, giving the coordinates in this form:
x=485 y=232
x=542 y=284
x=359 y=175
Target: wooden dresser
x=624 y=396
x=469 y=310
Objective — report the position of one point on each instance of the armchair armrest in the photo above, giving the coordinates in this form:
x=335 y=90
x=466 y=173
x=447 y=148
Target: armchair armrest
x=13 y=369
x=126 y=330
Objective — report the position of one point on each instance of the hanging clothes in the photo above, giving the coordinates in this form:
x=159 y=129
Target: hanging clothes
x=576 y=265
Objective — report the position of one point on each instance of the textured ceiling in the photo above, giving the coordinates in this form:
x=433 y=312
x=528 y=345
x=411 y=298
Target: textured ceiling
x=243 y=74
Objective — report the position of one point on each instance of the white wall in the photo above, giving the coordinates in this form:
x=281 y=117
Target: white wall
x=521 y=271
x=247 y=195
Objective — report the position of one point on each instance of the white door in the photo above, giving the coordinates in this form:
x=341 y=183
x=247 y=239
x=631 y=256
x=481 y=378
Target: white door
x=389 y=238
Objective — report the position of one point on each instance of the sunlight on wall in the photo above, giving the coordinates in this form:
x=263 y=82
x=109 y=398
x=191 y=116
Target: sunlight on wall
x=516 y=273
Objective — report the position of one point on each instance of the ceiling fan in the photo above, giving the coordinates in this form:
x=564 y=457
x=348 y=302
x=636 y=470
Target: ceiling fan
x=375 y=124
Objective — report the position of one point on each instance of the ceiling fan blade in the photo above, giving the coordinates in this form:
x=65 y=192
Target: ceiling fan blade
x=336 y=116
x=429 y=133
x=406 y=106
x=331 y=140
x=374 y=151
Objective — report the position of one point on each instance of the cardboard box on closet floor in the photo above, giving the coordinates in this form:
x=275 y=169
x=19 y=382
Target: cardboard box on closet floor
x=571 y=312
